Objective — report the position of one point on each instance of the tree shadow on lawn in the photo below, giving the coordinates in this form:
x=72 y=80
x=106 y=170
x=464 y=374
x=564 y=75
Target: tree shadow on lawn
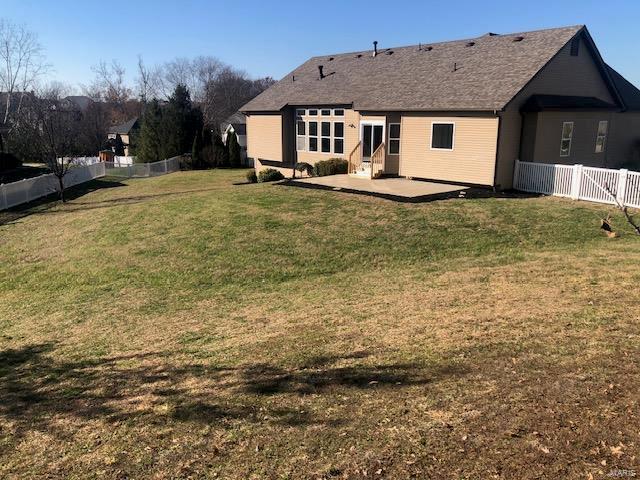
x=36 y=389
x=43 y=206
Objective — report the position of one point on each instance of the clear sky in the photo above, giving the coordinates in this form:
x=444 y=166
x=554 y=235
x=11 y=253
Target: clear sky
x=272 y=38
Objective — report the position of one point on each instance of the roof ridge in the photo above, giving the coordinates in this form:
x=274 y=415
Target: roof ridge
x=430 y=44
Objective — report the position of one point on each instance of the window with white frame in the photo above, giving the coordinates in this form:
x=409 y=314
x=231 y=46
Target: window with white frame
x=394 y=138
x=565 y=142
x=313 y=136
x=338 y=137
x=301 y=135
x=325 y=132
x=442 y=136
x=313 y=112
x=338 y=112
x=301 y=112
x=325 y=113
x=601 y=137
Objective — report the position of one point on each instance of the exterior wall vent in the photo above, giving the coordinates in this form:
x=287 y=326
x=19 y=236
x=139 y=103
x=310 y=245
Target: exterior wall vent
x=359 y=55
x=389 y=52
x=518 y=39
x=470 y=44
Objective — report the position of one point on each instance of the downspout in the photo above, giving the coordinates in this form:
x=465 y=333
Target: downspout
x=495 y=166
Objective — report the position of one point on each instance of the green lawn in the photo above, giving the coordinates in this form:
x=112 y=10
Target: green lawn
x=188 y=327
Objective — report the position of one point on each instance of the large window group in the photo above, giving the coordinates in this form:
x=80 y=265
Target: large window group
x=324 y=136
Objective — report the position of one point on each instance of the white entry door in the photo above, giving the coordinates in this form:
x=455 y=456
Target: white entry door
x=371 y=136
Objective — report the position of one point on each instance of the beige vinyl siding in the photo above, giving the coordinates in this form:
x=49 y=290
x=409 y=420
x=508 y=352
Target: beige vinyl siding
x=563 y=75
x=264 y=137
x=472 y=159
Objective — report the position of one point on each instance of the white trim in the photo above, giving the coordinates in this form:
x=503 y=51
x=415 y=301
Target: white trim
x=453 y=137
x=302 y=136
x=394 y=138
x=316 y=136
x=570 y=139
x=372 y=123
x=334 y=138
x=338 y=114
x=604 y=137
x=322 y=137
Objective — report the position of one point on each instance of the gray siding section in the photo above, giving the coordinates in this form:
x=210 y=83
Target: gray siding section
x=563 y=75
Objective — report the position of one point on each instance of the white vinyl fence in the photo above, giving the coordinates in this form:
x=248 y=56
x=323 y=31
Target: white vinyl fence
x=136 y=170
x=27 y=190
x=579 y=182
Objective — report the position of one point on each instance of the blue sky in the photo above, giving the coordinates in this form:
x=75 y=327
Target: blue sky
x=272 y=38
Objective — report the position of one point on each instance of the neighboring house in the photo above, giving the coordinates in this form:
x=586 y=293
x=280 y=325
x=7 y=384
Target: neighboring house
x=460 y=111
x=126 y=131
x=237 y=123
x=80 y=102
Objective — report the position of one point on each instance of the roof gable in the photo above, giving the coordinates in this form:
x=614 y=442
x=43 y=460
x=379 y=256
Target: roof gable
x=483 y=73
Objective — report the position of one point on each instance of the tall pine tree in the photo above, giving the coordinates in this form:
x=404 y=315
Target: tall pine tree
x=234 y=150
x=151 y=141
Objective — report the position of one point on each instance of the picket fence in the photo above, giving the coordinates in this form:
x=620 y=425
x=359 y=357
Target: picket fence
x=579 y=182
x=29 y=189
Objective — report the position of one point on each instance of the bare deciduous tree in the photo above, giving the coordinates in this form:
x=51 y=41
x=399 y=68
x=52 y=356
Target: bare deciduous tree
x=109 y=84
x=51 y=126
x=148 y=82
x=227 y=92
x=22 y=64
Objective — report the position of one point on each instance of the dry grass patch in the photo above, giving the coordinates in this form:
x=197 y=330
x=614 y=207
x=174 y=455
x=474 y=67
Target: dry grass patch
x=186 y=327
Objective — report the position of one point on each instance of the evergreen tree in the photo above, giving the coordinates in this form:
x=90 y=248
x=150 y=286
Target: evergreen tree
x=182 y=121
x=234 y=150
x=151 y=140
x=197 y=161
x=118 y=146
x=220 y=154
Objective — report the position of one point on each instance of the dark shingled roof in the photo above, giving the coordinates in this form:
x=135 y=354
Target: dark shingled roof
x=628 y=91
x=124 y=128
x=537 y=103
x=487 y=75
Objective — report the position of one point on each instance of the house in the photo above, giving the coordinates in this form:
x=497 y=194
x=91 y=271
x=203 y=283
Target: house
x=126 y=131
x=237 y=123
x=80 y=102
x=460 y=111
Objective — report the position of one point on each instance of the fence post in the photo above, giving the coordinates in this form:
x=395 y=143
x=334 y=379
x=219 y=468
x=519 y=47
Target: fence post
x=165 y=165
x=622 y=186
x=576 y=180
x=129 y=170
x=4 y=197
x=516 y=174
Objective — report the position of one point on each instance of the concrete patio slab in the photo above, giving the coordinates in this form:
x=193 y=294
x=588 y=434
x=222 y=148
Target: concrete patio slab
x=395 y=188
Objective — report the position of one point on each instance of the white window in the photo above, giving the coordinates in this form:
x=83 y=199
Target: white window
x=338 y=137
x=301 y=112
x=338 y=112
x=301 y=138
x=442 y=136
x=565 y=142
x=313 y=112
x=313 y=136
x=601 y=138
x=394 y=138
x=325 y=132
x=325 y=113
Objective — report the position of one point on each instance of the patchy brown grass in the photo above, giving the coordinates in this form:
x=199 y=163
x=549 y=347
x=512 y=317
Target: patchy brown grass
x=184 y=327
